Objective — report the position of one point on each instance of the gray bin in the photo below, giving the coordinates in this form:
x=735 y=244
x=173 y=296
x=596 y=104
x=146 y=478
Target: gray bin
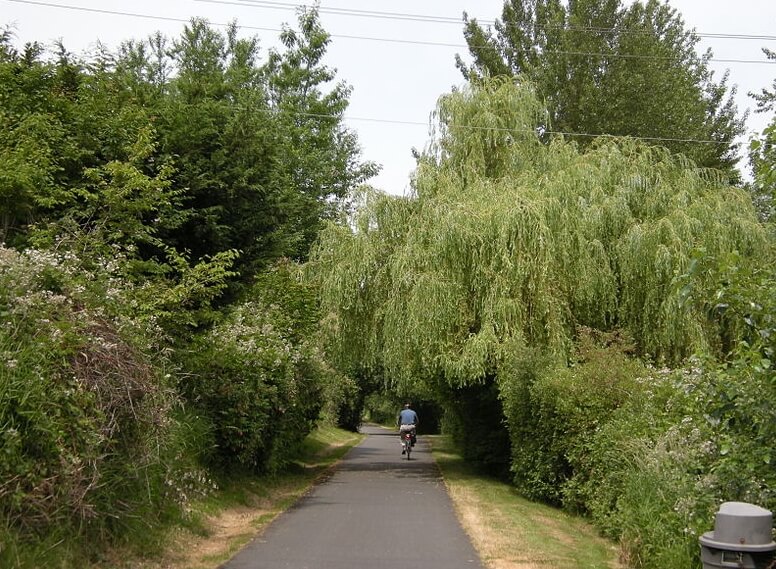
x=742 y=538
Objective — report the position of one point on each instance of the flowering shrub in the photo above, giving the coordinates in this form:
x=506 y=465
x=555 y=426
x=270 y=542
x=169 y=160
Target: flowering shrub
x=692 y=439
x=648 y=453
x=88 y=429
x=258 y=376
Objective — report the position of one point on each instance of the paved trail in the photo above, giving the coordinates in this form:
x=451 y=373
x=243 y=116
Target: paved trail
x=376 y=511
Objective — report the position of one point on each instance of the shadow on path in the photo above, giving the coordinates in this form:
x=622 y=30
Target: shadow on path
x=377 y=510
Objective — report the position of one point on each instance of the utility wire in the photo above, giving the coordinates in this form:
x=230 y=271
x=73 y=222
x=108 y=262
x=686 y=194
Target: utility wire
x=512 y=130
x=445 y=19
x=371 y=38
x=342 y=11
x=131 y=14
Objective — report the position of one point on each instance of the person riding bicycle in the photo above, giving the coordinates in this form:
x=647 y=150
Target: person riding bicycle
x=408 y=422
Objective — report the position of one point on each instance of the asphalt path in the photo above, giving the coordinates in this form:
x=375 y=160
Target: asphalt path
x=377 y=510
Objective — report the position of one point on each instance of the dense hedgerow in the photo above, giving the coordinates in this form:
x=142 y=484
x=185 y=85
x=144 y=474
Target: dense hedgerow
x=554 y=412
x=141 y=190
x=92 y=438
x=647 y=453
x=105 y=427
x=685 y=442
x=258 y=378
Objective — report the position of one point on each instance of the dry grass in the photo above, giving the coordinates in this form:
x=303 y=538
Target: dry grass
x=510 y=532
x=226 y=532
x=237 y=514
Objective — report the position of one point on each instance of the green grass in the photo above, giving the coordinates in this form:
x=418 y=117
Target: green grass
x=512 y=532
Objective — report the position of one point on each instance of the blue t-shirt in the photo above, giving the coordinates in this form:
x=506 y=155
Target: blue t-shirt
x=408 y=417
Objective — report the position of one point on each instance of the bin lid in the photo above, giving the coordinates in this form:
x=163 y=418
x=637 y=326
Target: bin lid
x=708 y=540
x=741 y=527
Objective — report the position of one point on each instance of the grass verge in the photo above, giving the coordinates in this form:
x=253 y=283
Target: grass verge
x=511 y=532
x=241 y=508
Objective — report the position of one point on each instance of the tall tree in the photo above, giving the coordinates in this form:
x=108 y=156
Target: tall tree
x=762 y=153
x=511 y=242
x=216 y=128
x=321 y=155
x=607 y=69
x=261 y=149
x=68 y=127
x=38 y=149
x=199 y=143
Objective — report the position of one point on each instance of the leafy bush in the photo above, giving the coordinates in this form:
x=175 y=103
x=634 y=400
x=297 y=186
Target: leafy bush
x=258 y=377
x=343 y=401
x=648 y=453
x=692 y=439
x=554 y=412
x=91 y=436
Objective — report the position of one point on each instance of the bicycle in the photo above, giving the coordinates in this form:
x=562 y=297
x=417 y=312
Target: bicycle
x=406 y=443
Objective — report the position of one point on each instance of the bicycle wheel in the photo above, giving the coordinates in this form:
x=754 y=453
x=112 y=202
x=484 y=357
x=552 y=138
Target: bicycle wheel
x=408 y=446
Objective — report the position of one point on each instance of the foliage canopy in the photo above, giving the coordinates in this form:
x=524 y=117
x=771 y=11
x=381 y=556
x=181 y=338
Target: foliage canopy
x=762 y=152
x=190 y=147
x=509 y=242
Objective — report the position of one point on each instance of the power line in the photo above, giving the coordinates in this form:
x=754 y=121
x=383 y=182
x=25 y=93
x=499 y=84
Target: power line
x=512 y=130
x=370 y=38
x=272 y=4
x=131 y=14
x=343 y=11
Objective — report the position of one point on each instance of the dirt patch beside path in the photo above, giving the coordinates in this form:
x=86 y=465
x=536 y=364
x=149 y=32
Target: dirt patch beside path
x=226 y=532
x=216 y=537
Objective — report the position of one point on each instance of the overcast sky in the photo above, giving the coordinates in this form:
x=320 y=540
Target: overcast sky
x=396 y=67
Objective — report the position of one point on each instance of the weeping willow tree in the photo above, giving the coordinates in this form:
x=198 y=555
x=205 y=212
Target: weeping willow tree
x=511 y=240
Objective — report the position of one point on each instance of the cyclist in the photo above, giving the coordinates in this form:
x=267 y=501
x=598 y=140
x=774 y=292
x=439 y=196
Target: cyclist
x=407 y=422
